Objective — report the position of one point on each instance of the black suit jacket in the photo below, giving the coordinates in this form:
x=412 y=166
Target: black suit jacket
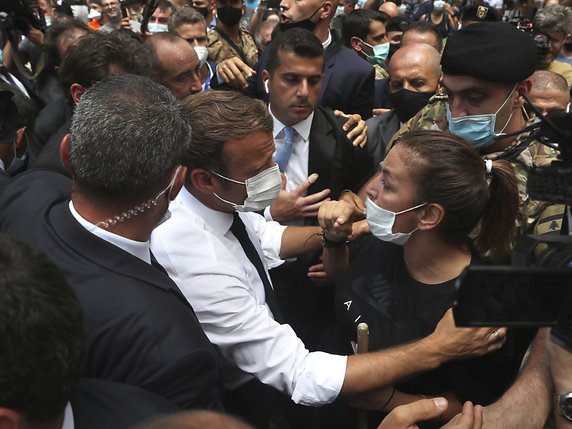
x=339 y=164
x=50 y=119
x=140 y=330
x=102 y=404
x=380 y=130
x=347 y=85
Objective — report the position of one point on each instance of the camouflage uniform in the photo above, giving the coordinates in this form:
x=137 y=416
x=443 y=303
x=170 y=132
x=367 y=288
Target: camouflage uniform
x=380 y=72
x=220 y=49
x=535 y=216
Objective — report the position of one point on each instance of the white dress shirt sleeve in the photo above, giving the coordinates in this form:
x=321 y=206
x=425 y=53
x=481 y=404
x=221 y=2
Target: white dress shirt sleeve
x=232 y=310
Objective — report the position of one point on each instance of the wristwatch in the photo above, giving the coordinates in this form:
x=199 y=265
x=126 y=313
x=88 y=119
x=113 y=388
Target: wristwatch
x=563 y=403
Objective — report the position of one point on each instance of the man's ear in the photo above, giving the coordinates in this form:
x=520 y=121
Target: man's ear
x=202 y=180
x=21 y=141
x=76 y=91
x=327 y=10
x=355 y=42
x=10 y=419
x=432 y=216
x=65 y=152
x=523 y=88
x=265 y=80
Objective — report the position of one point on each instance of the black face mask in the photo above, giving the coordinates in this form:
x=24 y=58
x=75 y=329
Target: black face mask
x=568 y=46
x=392 y=48
x=306 y=24
x=229 y=16
x=204 y=11
x=407 y=103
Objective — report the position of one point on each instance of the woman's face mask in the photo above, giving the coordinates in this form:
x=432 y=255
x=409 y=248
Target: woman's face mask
x=381 y=222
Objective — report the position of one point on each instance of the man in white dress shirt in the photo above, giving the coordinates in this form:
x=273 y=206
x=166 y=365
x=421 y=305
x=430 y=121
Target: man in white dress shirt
x=230 y=170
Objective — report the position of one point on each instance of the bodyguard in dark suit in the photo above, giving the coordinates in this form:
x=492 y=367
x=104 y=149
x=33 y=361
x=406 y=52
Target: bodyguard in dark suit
x=140 y=330
x=309 y=139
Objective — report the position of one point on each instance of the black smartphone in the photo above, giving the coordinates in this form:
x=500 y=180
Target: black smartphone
x=124 y=12
x=512 y=296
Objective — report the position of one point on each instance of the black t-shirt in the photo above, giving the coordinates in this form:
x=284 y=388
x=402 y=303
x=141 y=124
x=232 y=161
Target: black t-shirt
x=378 y=290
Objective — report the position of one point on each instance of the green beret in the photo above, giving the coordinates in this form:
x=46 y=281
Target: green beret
x=494 y=51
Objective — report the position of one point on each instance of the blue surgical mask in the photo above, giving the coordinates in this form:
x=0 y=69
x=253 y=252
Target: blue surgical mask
x=479 y=130
x=380 y=53
x=381 y=222
x=155 y=27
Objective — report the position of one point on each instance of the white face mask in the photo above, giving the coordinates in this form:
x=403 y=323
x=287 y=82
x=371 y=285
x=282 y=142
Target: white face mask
x=381 y=222
x=202 y=53
x=155 y=27
x=261 y=190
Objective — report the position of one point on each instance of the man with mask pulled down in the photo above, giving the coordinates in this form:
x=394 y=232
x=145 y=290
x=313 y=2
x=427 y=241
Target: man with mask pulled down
x=485 y=81
x=219 y=256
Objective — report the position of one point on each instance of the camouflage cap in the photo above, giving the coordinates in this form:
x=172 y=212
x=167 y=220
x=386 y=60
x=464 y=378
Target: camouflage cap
x=494 y=51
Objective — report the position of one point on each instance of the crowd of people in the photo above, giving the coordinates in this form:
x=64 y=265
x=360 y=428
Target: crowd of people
x=219 y=214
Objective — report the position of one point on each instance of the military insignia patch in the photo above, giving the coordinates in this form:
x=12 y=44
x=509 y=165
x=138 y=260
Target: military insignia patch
x=482 y=12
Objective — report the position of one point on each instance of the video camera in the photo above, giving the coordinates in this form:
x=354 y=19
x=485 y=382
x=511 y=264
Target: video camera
x=19 y=15
x=536 y=290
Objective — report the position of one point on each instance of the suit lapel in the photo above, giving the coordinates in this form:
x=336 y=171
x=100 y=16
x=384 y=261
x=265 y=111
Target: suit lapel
x=321 y=151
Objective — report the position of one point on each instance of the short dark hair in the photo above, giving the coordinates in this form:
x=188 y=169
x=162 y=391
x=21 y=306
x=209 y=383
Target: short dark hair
x=218 y=117
x=185 y=15
x=357 y=22
x=53 y=34
x=166 y=4
x=426 y=27
x=128 y=134
x=89 y=60
x=41 y=334
x=152 y=42
x=301 y=42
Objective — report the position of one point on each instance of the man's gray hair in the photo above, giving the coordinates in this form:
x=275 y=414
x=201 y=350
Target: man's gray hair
x=555 y=18
x=185 y=15
x=128 y=133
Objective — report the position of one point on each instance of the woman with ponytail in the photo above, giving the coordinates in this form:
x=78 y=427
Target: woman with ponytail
x=437 y=206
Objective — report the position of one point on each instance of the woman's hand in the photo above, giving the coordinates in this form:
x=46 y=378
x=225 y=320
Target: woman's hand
x=336 y=219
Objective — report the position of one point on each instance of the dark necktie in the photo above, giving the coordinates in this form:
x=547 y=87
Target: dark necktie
x=4 y=72
x=239 y=231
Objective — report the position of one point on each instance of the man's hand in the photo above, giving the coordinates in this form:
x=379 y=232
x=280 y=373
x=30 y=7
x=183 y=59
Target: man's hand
x=357 y=135
x=359 y=229
x=470 y=418
x=353 y=200
x=35 y=36
x=126 y=24
x=379 y=111
x=457 y=343
x=294 y=205
x=336 y=219
x=317 y=275
x=234 y=72
x=407 y=416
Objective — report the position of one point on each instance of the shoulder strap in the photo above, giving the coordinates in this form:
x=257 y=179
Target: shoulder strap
x=231 y=43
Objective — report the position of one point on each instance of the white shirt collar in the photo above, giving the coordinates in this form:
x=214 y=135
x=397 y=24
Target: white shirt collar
x=68 y=418
x=218 y=222
x=138 y=249
x=2 y=165
x=328 y=41
x=303 y=127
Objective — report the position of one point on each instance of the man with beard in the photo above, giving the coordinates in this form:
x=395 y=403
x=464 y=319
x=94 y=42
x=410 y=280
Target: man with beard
x=228 y=40
x=112 y=18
